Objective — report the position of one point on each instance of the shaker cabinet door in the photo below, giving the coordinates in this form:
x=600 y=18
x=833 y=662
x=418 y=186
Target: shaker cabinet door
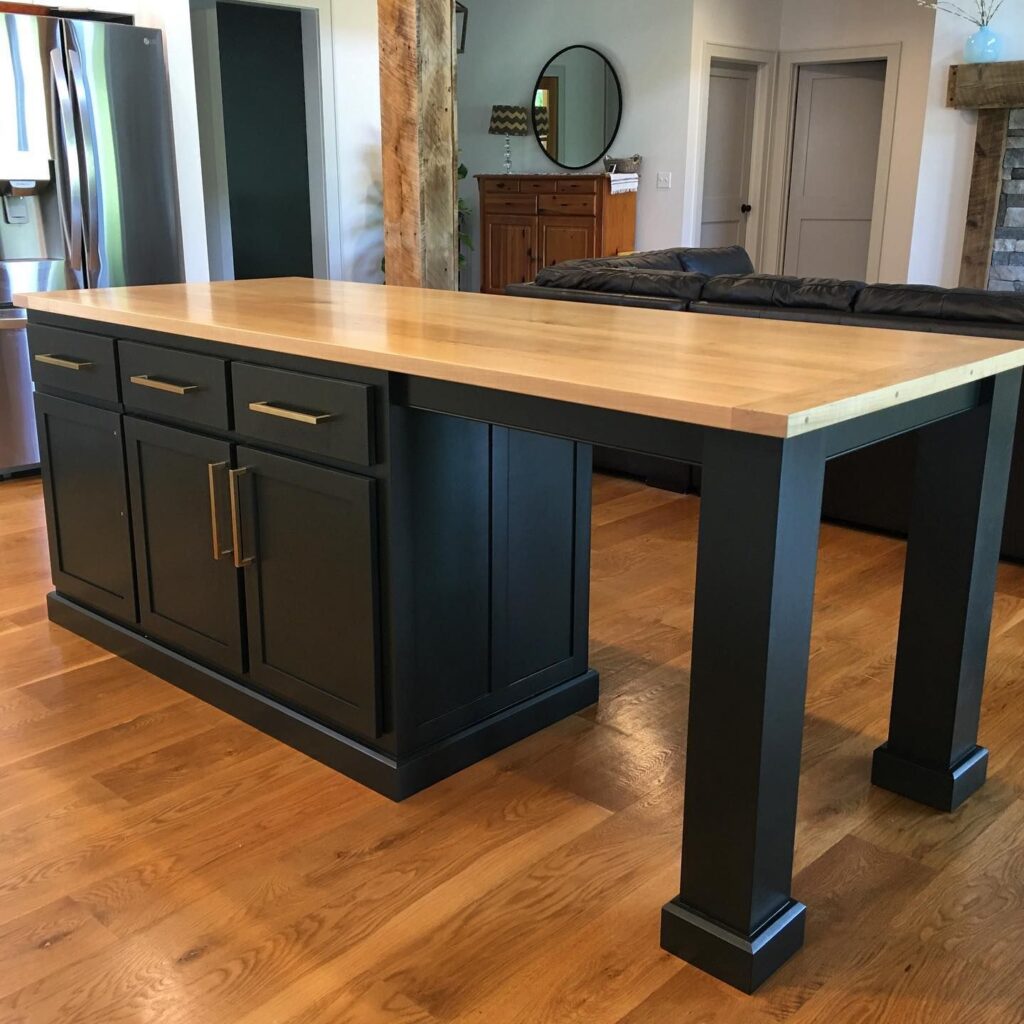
x=308 y=542
x=188 y=598
x=567 y=238
x=509 y=252
x=86 y=494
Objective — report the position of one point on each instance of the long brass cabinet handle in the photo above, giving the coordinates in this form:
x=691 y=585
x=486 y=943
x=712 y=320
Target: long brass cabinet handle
x=219 y=551
x=64 y=362
x=241 y=561
x=144 y=380
x=296 y=416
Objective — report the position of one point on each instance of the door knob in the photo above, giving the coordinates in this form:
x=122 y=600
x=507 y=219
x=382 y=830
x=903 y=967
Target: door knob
x=746 y=208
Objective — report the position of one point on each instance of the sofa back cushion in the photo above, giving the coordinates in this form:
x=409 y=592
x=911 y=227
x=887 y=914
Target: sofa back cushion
x=732 y=259
x=783 y=292
x=969 y=304
x=917 y=300
x=923 y=301
x=667 y=284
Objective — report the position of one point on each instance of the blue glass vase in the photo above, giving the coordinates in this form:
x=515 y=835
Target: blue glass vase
x=983 y=47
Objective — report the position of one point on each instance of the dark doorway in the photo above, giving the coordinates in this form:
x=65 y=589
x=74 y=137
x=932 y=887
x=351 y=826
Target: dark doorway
x=266 y=147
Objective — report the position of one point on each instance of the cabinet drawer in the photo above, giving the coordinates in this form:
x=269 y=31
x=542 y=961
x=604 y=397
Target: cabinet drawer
x=501 y=185
x=333 y=418
x=526 y=205
x=578 y=186
x=575 y=205
x=73 y=361
x=536 y=186
x=179 y=385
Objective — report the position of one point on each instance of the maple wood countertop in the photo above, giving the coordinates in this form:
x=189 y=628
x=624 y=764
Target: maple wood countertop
x=770 y=377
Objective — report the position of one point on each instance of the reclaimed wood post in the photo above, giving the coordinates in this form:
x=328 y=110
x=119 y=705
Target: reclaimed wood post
x=417 y=61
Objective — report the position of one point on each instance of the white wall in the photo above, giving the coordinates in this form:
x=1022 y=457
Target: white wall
x=947 y=154
x=648 y=42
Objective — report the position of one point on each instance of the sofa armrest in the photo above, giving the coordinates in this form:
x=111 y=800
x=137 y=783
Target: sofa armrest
x=534 y=291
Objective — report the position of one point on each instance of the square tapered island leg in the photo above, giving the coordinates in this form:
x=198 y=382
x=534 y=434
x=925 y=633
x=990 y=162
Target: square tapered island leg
x=760 y=509
x=963 y=464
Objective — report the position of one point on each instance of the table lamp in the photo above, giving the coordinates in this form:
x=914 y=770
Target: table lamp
x=509 y=121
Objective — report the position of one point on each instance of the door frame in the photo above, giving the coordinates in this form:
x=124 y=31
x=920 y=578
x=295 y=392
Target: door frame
x=781 y=163
x=321 y=136
x=764 y=62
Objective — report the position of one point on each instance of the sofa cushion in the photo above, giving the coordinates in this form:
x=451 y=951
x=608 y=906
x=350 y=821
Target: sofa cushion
x=740 y=289
x=533 y=291
x=654 y=259
x=817 y=293
x=666 y=284
x=988 y=307
x=732 y=259
x=916 y=300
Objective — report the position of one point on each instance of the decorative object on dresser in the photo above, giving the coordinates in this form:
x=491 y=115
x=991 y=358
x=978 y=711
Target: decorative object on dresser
x=529 y=222
x=509 y=121
x=995 y=210
x=623 y=164
x=577 y=134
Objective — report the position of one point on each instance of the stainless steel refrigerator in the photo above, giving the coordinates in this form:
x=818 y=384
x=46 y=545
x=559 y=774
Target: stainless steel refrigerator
x=87 y=186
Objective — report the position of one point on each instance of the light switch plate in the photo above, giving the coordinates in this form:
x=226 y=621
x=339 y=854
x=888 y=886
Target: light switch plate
x=664 y=179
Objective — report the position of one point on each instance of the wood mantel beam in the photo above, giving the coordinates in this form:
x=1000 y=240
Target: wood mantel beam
x=996 y=86
x=417 y=62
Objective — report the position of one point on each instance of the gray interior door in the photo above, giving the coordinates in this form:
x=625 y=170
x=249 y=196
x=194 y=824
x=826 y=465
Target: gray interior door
x=122 y=110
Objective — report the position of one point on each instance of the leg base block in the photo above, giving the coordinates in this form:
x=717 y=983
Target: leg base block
x=743 y=961
x=944 y=789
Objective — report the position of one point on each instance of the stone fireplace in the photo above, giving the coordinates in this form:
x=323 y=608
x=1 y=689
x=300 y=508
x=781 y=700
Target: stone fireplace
x=993 y=255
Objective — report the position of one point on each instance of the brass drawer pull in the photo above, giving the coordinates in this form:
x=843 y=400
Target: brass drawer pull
x=312 y=418
x=145 y=381
x=64 y=362
x=241 y=561
x=218 y=551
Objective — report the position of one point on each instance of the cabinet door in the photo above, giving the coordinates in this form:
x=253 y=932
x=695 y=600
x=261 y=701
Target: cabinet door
x=187 y=598
x=567 y=238
x=86 y=494
x=308 y=537
x=509 y=251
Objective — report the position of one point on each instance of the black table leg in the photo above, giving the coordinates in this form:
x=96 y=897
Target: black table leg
x=963 y=464
x=757 y=555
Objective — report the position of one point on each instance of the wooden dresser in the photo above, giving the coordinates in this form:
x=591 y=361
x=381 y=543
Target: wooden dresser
x=530 y=221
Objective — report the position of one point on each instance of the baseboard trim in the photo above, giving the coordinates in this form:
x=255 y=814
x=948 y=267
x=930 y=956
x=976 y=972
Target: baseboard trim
x=395 y=779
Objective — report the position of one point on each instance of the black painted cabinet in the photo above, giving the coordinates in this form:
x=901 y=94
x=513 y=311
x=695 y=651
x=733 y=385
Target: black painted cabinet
x=307 y=536
x=187 y=598
x=87 y=505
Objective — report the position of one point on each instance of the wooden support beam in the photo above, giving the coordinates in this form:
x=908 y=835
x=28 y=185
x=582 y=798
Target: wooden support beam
x=983 y=206
x=417 y=63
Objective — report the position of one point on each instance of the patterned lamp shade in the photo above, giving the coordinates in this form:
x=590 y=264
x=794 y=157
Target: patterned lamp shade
x=542 y=119
x=507 y=120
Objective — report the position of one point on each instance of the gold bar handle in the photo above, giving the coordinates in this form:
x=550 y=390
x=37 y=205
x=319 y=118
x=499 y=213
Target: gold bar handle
x=312 y=418
x=218 y=551
x=145 y=381
x=241 y=562
x=64 y=362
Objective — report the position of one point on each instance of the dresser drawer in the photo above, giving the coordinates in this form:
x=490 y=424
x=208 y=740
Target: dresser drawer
x=501 y=185
x=525 y=205
x=73 y=361
x=175 y=384
x=571 y=205
x=537 y=186
x=578 y=186
x=319 y=415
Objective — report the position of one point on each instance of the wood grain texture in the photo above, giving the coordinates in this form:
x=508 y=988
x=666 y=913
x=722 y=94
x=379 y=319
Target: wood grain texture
x=986 y=86
x=161 y=863
x=770 y=377
x=983 y=204
x=419 y=149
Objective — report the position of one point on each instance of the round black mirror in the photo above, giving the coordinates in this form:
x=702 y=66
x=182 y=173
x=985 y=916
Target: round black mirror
x=577 y=107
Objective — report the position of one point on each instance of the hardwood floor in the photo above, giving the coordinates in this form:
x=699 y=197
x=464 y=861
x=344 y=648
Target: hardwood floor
x=160 y=862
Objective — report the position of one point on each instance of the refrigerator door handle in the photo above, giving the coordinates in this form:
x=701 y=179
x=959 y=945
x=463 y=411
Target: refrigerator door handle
x=69 y=203
x=80 y=95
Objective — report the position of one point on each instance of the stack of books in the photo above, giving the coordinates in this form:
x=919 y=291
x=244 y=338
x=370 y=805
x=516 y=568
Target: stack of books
x=624 y=183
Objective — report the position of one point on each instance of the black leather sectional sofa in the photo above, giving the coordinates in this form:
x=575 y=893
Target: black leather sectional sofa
x=868 y=488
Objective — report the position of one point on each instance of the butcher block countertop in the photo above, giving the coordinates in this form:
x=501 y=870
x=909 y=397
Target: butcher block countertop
x=769 y=377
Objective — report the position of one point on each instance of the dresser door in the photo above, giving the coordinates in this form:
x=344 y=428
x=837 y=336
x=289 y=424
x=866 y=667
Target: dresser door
x=510 y=248
x=567 y=238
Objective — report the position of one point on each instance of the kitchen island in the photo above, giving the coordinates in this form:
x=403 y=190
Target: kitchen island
x=357 y=517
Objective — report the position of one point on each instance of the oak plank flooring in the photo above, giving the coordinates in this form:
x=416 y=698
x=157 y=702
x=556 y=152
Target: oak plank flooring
x=161 y=862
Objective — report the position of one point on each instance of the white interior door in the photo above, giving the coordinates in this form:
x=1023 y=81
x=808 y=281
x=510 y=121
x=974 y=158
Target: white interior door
x=732 y=93
x=836 y=135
